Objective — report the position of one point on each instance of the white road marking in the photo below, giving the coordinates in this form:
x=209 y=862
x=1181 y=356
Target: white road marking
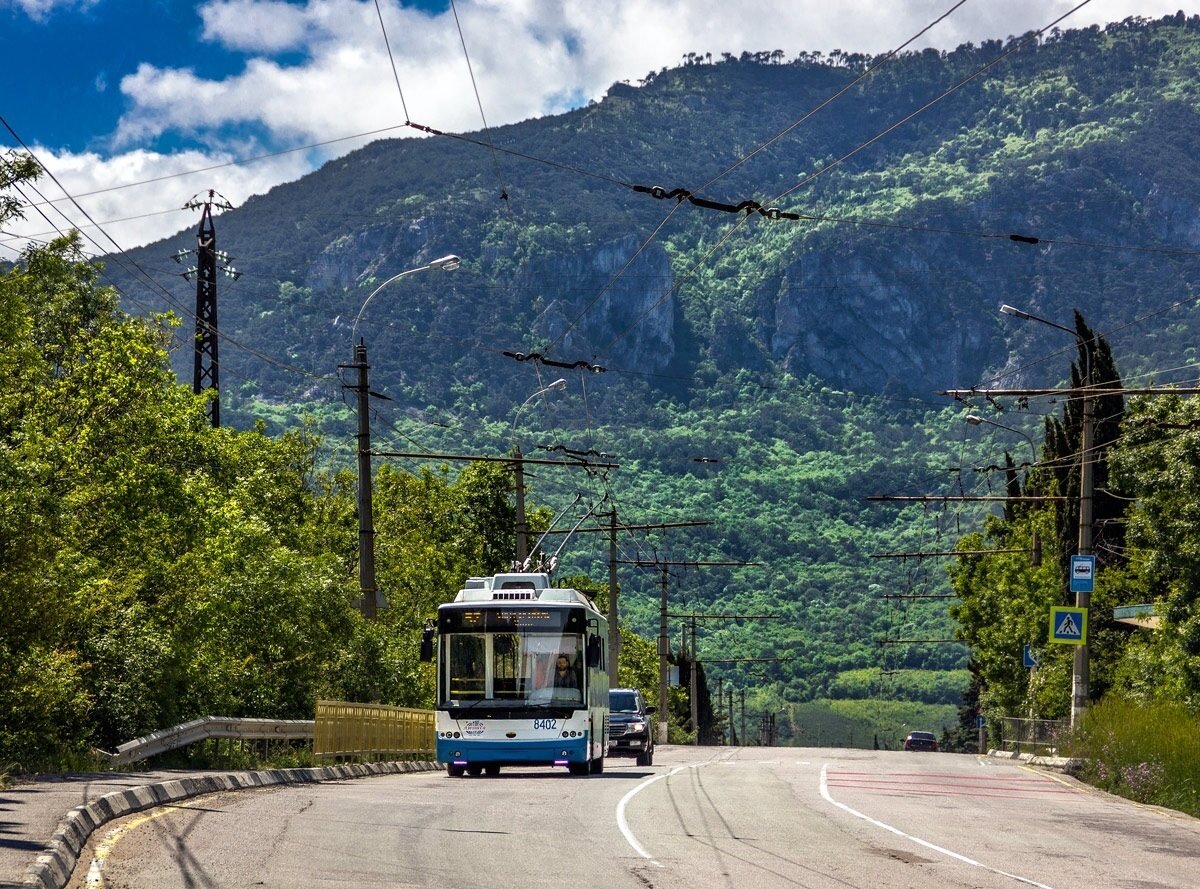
x=624 y=825
x=928 y=845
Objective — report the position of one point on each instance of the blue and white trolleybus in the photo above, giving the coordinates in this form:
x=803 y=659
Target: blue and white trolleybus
x=522 y=677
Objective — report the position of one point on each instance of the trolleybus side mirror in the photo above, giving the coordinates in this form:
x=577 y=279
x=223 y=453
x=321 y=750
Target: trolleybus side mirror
x=427 y=644
x=593 y=652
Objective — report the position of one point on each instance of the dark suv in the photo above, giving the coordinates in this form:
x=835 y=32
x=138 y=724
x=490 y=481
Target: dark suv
x=630 y=731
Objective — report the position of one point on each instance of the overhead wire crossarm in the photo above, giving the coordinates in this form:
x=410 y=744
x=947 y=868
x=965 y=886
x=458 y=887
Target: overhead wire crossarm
x=946 y=552
x=654 y=527
x=692 y=616
x=489 y=459
x=971 y=498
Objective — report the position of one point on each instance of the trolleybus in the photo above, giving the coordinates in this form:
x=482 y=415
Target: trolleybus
x=522 y=677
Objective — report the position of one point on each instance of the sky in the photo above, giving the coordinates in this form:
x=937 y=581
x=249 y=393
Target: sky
x=117 y=98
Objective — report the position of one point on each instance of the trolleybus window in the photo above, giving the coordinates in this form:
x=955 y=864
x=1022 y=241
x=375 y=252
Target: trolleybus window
x=514 y=668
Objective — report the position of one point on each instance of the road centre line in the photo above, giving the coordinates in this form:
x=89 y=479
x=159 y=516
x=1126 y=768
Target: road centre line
x=928 y=845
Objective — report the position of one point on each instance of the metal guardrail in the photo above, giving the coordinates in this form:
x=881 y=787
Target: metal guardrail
x=372 y=731
x=1033 y=734
x=210 y=727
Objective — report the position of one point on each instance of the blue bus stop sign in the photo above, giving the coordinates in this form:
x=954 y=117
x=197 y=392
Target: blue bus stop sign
x=1083 y=574
x=1031 y=657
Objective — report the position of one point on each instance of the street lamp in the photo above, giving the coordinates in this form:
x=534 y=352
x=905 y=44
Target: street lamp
x=366 y=520
x=975 y=420
x=447 y=263
x=522 y=532
x=1081 y=666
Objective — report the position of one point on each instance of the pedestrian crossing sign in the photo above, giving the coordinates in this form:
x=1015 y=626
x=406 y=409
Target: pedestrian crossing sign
x=1068 y=625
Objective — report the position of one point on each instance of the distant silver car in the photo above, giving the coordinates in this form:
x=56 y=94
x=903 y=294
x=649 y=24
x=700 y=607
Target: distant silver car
x=921 y=741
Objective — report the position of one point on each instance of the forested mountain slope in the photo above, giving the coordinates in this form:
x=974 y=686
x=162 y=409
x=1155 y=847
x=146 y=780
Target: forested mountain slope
x=801 y=354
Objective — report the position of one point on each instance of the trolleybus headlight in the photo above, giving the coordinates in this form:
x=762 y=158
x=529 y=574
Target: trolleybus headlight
x=457 y=735
x=564 y=733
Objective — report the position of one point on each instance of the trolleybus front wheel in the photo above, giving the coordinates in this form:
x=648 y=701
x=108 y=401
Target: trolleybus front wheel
x=474 y=771
x=455 y=771
x=577 y=768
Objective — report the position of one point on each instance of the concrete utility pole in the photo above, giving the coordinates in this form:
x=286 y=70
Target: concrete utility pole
x=1080 y=667
x=743 y=694
x=366 y=518
x=366 y=510
x=522 y=529
x=614 y=629
x=733 y=739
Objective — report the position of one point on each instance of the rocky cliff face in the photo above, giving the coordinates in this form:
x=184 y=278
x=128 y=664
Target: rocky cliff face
x=608 y=304
x=847 y=321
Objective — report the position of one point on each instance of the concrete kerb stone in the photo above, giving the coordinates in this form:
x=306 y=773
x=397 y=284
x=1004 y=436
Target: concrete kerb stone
x=53 y=867
x=1067 y=764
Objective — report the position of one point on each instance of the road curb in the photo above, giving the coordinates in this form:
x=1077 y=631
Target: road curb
x=53 y=866
x=1067 y=764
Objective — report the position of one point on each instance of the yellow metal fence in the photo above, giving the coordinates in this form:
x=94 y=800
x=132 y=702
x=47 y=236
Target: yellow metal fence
x=372 y=731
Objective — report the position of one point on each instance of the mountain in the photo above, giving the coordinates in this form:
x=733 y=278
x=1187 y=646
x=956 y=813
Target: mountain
x=800 y=354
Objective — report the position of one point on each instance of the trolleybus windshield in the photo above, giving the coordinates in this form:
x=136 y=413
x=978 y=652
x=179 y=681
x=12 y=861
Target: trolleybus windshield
x=511 y=658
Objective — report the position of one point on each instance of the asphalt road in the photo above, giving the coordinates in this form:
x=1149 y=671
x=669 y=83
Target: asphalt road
x=713 y=817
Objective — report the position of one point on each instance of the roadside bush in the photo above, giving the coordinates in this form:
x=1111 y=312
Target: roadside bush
x=1145 y=752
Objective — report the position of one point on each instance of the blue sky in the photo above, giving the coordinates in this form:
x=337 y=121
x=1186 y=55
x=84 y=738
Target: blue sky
x=110 y=93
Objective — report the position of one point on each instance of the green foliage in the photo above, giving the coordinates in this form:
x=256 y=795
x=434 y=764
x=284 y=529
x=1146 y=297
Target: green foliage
x=157 y=569
x=1145 y=752
x=1159 y=461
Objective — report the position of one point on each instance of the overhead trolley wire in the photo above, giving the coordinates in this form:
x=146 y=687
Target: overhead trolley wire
x=392 y=59
x=479 y=101
x=879 y=63
x=745 y=206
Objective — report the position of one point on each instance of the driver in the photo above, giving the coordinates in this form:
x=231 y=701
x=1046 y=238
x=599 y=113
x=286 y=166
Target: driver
x=564 y=676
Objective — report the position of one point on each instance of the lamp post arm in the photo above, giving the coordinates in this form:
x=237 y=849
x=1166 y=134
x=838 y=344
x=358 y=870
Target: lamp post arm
x=449 y=263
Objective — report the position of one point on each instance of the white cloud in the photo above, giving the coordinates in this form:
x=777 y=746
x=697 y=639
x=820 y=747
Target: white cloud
x=256 y=25
x=525 y=54
x=156 y=206
x=39 y=10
